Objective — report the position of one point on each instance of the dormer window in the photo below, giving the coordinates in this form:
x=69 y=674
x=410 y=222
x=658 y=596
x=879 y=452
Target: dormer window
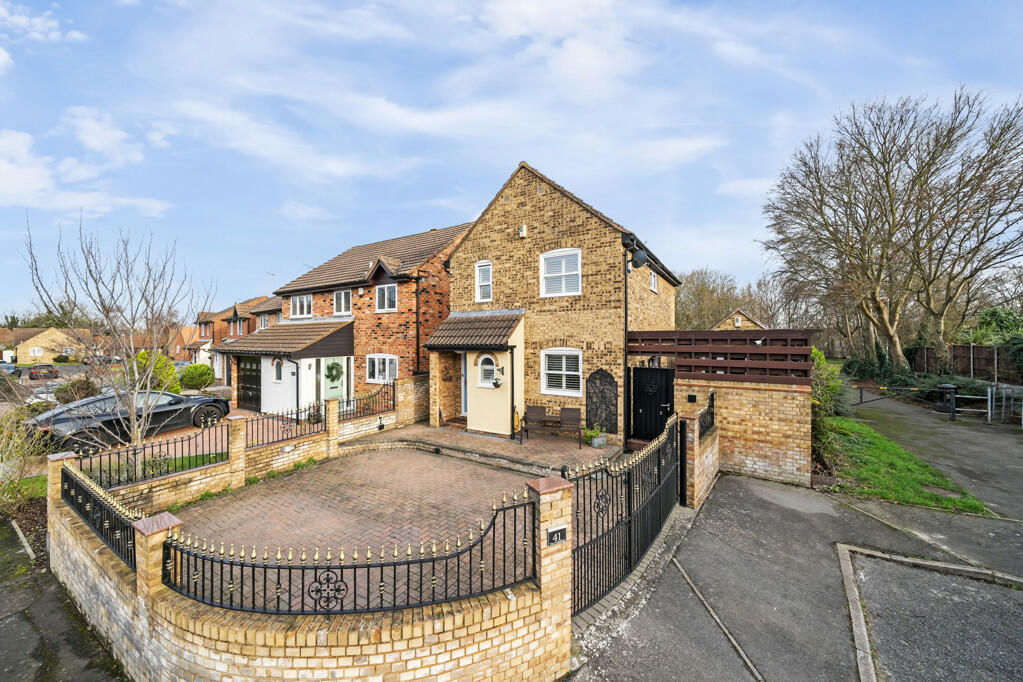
x=484 y=282
x=302 y=306
x=264 y=320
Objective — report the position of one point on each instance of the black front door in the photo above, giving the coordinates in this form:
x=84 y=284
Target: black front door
x=249 y=383
x=653 y=401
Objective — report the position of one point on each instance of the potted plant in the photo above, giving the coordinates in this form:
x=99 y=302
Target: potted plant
x=596 y=436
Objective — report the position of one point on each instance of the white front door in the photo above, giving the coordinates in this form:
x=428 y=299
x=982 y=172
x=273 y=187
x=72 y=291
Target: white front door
x=465 y=388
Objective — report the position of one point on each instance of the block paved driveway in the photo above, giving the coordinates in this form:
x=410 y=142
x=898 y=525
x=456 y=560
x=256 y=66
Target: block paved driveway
x=367 y=499
x=763 y=556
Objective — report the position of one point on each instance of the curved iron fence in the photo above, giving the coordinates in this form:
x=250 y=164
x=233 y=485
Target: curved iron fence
x=619 y=510
x=707 y=417
x=502 y=555
x=274 y=427
x=110 y=520
x=155 y=458
x=365 y=406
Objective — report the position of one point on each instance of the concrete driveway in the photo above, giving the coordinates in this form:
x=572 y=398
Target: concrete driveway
x=763 y=557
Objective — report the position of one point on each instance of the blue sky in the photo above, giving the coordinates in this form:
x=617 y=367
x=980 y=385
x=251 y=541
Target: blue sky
x=266 y=137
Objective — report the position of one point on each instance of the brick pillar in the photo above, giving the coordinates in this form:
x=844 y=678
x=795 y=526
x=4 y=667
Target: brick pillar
x=236 y=449
x=150 y=533
x=553 y=496
x=233 y=359
x=53 y=466
x=330 y=406
x=691 y=423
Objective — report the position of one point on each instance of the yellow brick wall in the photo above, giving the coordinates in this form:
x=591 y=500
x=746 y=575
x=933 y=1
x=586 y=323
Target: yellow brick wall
x=650 y=310
x=703 y=459
x=728 y=324
x=764 y=428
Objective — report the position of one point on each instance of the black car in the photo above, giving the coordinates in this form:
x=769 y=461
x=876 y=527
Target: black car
x=102 y=420
x=37 y=372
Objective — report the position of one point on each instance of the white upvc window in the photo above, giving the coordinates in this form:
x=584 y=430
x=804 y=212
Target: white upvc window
x=230 y=327
x=278 y=371
x=488 y=370
x=561 y=273
x=381 y=369
x=562 y=371
x=35 y=352
x=738 y=321
x=484 y=281
x=653 y=281
x=343 y=302
x=387 y=298
x=280 y=316
x=302 y=306
x=264 y=320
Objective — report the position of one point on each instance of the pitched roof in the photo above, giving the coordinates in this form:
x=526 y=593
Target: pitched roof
x=740 y=311
x=401 y=256
x=654 y=262
x=188 y=334
x=475 y=330
x=23 y=334
x=243 y=309
x=6 y=336
x=210 y=316
x=270 y=305
x=280 y=339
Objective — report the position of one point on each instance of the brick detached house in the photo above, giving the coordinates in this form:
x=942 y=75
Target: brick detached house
x=737 y=319
x=538 y=311
x=217 y=328
x=349 y=326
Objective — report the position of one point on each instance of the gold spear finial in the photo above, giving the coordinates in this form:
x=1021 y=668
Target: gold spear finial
x=328 y=555
x=409 y=553
x=396 y=551
x=232 y=551
x=266 y=554
x=434 y=550
x=278 y=554
x=447 y=546
x=504 y=497
x=422 y=549
x=291 y=556
x=302 y=557
x=341 y=556
x=458 y=541
x=369 y=554
x=316 y=555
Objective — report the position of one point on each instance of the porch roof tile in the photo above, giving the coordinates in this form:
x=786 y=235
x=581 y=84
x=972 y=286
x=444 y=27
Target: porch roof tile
x=286 y=338
x=489 y=330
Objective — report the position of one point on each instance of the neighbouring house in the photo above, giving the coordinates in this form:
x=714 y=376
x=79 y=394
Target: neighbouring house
x=6 y=337
x=267 y=313
x=538 y=311
x=179 y=345
x=737 y=319
x=349 y=326
x=221 y=327
x=43 y=344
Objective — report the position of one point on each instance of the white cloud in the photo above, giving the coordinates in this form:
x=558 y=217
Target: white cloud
x=746 y=187
x=159 y=132
x=97 y=132
x=298 y=211
x=42 y=27
x=27 y=181
x=6 y=63
x=670 y=152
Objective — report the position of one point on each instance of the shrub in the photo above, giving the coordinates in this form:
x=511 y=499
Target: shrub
x=62 y=358
x=19 y=445
x=76 y=389
x=163 y=375
x=825 y=385
x=197 y=377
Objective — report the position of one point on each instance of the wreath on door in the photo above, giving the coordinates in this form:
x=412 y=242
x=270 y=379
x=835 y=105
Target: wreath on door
x=334 y=371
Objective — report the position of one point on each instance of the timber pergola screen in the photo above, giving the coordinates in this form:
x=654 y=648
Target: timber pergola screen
x=777 y=356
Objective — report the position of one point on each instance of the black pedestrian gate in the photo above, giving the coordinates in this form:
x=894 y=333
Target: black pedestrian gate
x=619 y=510
x=653 y=400
x=249 y=384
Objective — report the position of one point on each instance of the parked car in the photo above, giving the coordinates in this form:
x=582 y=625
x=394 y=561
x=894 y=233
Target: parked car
x=43 y=394
x=100 y=360
x=38 y=372
x=180 y=365
x=102 y=420
x=8 y=369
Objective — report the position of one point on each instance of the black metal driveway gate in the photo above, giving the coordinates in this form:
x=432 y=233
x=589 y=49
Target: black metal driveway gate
x=619 y=510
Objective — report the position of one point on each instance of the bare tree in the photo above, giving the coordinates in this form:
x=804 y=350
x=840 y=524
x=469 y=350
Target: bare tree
x=703 y=297
x=137 y=296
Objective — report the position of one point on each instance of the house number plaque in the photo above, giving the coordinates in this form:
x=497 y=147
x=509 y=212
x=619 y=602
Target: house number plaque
x=557 y=535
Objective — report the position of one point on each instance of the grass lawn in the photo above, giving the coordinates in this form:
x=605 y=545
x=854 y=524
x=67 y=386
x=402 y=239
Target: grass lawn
x=35 y=486
x=874 y=466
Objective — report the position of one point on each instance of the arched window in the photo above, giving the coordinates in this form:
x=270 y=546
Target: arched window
x=487 y=371
x=278 y=370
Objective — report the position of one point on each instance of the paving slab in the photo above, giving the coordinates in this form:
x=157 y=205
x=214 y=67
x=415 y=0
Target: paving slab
x=987 y=460
x=926 y=625
x=763 y=554
x=992 y=543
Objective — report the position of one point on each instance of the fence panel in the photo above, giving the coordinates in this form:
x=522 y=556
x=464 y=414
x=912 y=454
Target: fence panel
x=502 y=555
x=155 y=458
x=375 y=403
x=619 y=510
x=275 y=427
x=110 y=521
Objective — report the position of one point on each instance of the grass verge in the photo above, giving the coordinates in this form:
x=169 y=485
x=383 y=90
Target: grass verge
x=34 y=486
x=871 y=465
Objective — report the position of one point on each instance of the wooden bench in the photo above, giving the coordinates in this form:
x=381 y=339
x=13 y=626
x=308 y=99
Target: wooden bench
x=537 y=419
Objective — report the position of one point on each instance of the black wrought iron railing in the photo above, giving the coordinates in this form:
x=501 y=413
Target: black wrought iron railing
x=339 y=581
x=274 y=427
x=365 y=406
x=154 y=458
x=707 y=417
x=620 y=509
x=110 y=520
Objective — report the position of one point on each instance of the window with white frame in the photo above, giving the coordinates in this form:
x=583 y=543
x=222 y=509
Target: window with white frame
x=35 y=352
x=343 y=302
x=302 y=306
x=488 y=370
x=230 y=327
x=484 y=281
x=653 y=281
x=279 y=317
x=562 y=370
x=278 y=370
x=738 y=321
x=561 y=273
x=387 y=298
x=381 y=369
x=264 y=320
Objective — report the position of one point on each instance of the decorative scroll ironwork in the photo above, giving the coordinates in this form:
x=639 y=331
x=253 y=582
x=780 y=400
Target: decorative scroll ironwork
x=365 y=406
x=707 y=417
x=274 y=427
x=602 y=400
